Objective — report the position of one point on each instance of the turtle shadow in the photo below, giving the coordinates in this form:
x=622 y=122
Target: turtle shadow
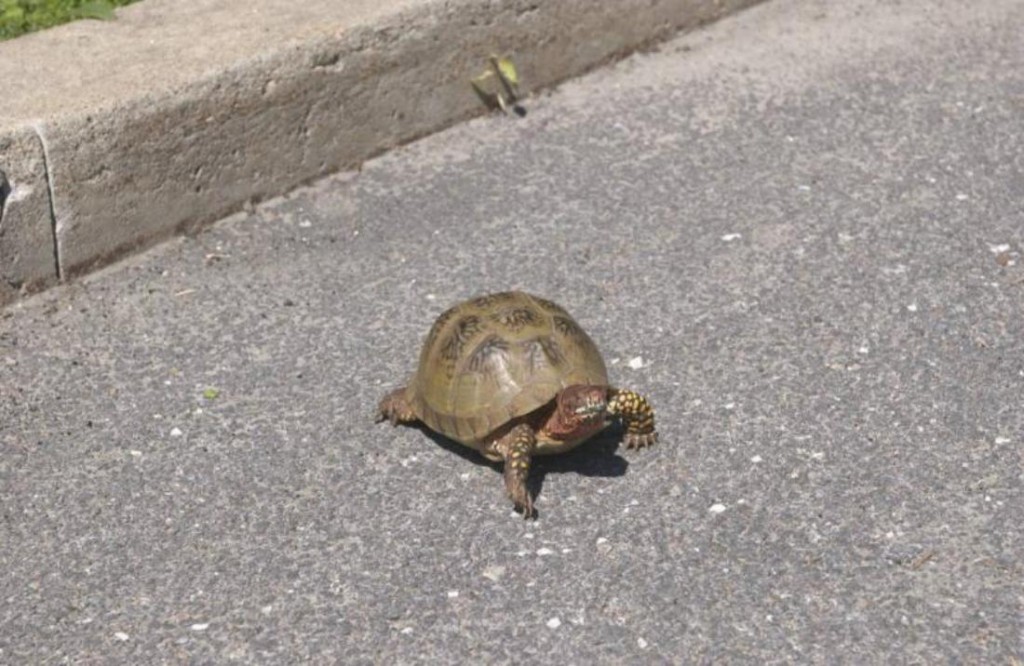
x=597 y=457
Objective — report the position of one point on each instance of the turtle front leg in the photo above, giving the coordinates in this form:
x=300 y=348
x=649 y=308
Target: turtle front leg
x=395 y=407
x=516 y=448
x=638 y=416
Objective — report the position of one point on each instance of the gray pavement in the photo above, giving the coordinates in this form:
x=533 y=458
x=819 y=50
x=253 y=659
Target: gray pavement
x=806 y=222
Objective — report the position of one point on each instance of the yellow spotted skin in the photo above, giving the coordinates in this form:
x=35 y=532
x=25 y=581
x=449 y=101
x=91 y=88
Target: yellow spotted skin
x=516 y=448
x=638 y=416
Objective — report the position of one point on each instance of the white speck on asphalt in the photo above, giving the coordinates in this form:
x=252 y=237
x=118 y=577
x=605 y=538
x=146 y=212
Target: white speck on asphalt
x=494 y=572
x=641 y=643
x=863 y=350
x=431 y=297
x=176 y=432
x=999 y=249
x=200 y=626
x=756 y=459
x=453 y=594
x=1002 y=440
x=601 y=540
x=912 y=307
x=636 y=363
x=728 y=238
x=267 y=609
x=406 y=631
x=962 y=197
x=121 y=636
x=544 y=551
x=716 y=508
x=135 y=453
x=554 y=623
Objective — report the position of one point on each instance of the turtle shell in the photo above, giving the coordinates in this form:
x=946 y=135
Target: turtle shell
x=494 y=358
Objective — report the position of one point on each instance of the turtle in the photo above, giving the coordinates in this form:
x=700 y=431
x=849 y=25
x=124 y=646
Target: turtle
x=513 y=375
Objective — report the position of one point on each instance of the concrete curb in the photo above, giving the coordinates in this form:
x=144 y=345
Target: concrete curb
x=114 y=136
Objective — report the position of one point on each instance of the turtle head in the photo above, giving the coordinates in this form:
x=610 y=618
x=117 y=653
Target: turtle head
x=581 y=410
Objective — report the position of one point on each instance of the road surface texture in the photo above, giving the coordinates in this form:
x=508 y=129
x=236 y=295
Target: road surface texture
x=799 y=231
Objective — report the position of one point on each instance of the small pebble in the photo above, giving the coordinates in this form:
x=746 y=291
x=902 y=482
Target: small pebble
x=636 y=363
x=176 y=432
x=544 y=551
x=716 y=508
x=756 y=459
x=641 y=643
x=728 y=238
x=121 y=636
x=452 y=594
x=200 y=626
x=554 y=623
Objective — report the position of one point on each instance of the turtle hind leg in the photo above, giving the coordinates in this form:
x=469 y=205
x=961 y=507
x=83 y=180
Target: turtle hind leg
x=637 y=415
x=516 y=449
x=394 y=407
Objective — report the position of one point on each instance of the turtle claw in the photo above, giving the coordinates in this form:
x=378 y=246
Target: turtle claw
x=520 y=497
x=385 y=413
x=635 y=440
x=394 y=408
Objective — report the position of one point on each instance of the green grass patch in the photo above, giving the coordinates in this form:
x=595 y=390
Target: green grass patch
x=20 y=16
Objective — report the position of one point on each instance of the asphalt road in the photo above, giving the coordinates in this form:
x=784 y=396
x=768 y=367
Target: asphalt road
x=804 y=221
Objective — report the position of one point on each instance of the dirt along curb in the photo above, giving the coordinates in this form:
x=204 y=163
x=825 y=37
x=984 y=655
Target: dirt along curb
x=116 y=135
